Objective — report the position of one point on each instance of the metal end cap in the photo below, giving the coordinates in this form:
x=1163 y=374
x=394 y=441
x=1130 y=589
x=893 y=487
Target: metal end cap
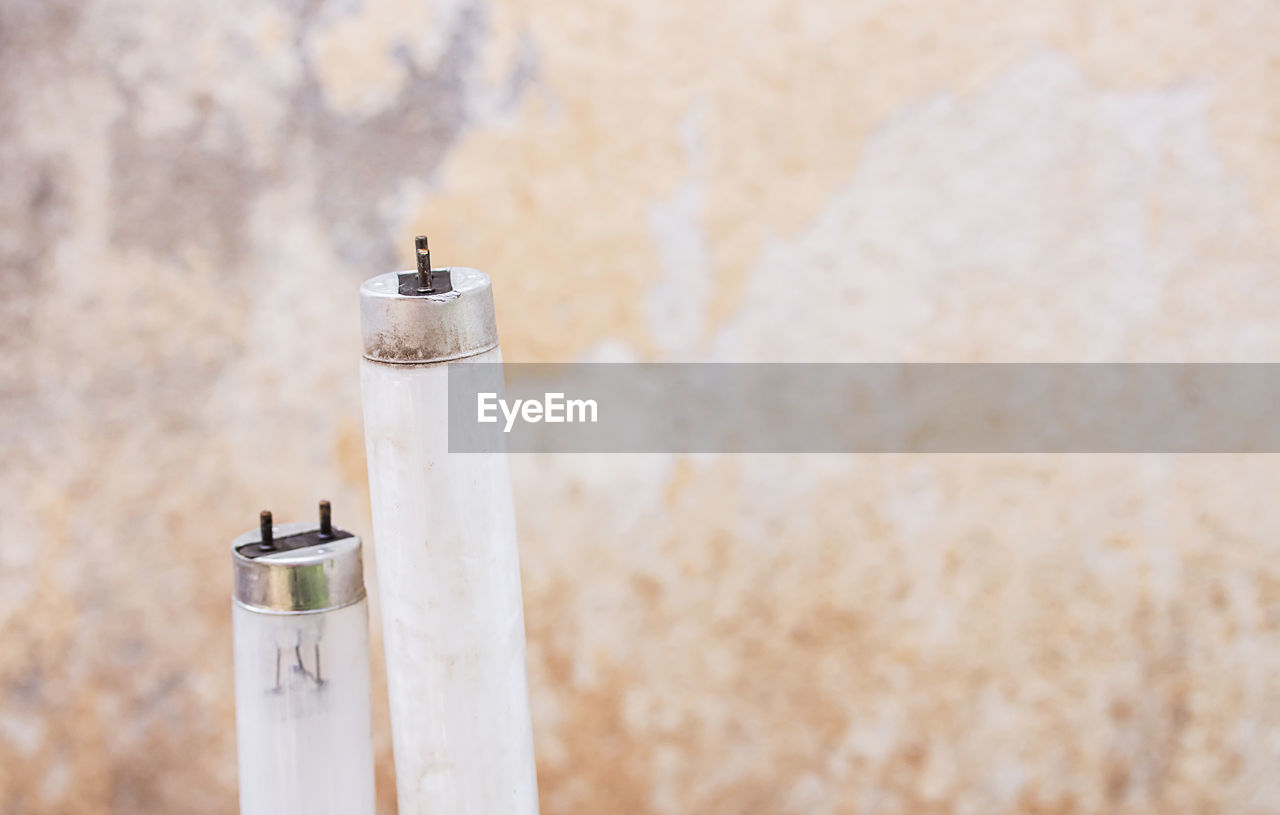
x=416 y=329
x=321 y=577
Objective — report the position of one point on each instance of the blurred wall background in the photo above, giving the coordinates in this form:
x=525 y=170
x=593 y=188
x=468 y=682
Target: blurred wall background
x=190 y=194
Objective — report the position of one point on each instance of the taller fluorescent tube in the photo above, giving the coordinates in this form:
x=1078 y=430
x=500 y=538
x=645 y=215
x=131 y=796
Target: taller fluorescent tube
x=447 y=567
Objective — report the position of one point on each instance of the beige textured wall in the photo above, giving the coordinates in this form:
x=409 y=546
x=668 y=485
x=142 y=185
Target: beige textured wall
x=190 y=194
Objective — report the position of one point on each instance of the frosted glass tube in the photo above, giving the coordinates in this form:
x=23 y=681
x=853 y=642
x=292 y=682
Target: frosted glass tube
x=301 y=631
x=447 y=563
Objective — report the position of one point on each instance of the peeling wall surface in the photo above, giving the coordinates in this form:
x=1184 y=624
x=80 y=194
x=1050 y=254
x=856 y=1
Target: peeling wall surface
x=192 y=192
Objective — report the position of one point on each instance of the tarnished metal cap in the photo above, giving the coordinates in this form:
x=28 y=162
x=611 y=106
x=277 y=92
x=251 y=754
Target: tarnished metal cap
x=427 y=327
x=299 y=570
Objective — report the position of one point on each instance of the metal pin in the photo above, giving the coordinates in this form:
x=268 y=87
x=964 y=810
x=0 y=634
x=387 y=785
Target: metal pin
x=424 y=263
x=326 y=524
x=264 y=524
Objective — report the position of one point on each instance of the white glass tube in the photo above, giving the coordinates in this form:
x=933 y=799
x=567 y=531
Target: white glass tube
x=303 y=710
x=449 y=592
